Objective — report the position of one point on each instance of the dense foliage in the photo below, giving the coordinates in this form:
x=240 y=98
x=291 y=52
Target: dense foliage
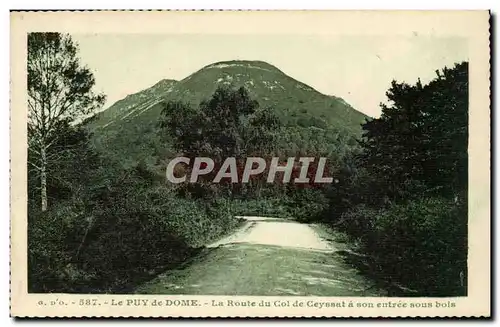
x=105 y=213
x=232 y=124
x=406 y=201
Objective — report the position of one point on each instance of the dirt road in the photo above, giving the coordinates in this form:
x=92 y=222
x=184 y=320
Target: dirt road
x=267 y=256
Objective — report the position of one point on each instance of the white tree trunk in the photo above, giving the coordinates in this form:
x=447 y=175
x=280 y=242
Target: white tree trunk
x=43 y=178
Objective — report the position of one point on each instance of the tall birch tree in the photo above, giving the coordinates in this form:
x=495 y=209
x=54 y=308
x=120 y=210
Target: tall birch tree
x=60 y=93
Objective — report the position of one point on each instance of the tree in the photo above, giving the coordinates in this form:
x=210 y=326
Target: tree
x=421 y=138
x=229 y=124
x=225 y=115
x=59 y=93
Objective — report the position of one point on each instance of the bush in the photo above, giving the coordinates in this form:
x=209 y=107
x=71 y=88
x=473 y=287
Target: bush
x=267 y=207
x=359 y=222
x=421 y=244
x=307 y=204
x=427 y=240
x=304 y=205
x=199 y=222
x=48 y=253
x=118 y=234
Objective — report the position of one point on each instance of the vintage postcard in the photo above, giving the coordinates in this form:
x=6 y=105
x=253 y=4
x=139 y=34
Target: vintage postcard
x=250 y=164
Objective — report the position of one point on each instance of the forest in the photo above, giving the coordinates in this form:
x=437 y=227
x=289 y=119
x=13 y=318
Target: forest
x=98 y=226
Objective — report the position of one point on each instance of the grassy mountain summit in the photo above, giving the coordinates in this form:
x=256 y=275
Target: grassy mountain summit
x=294 y=101
x=129 y=125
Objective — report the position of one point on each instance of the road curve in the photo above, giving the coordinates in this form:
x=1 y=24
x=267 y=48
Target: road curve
x=266 y=256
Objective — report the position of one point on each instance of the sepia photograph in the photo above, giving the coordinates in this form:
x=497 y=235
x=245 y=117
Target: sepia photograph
x=313 y=167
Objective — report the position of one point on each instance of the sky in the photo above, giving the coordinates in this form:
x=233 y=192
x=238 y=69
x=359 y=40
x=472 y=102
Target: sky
x=358 y=69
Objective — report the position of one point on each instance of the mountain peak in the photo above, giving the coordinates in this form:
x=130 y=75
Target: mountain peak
x=130 y=126
x=256 y=64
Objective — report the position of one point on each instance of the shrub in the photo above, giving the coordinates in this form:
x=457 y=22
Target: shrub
x=421 y=243
x=307 y=204
x=426 y=241
x=199 y=222
x=267 y=207
x=47 y=253
x=118 y=234
x=359 y=222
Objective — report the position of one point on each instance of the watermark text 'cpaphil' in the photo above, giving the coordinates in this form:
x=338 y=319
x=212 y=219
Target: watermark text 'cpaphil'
x=294 y=170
